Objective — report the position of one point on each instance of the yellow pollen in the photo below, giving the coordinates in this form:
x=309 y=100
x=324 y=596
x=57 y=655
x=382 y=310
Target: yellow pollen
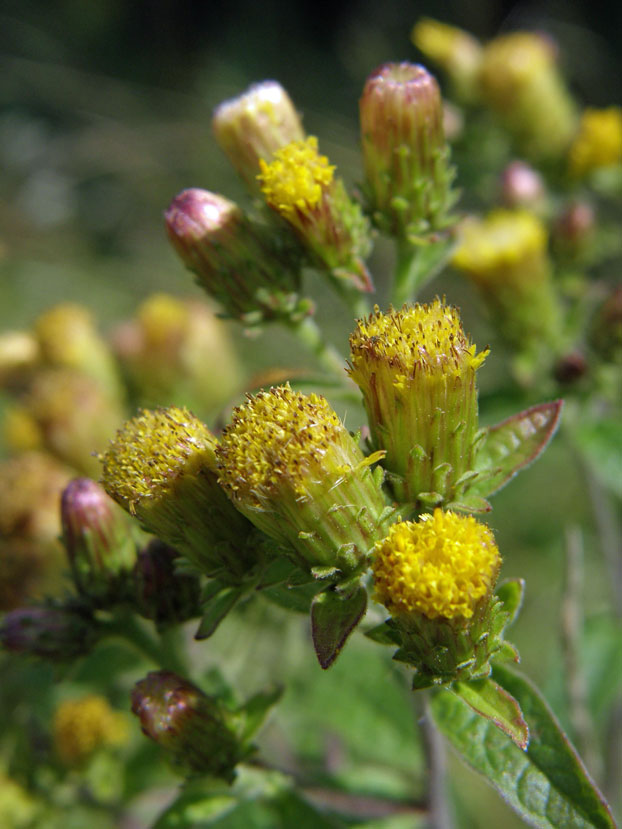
x=151 y=451
x=598 y=142
x=420 y=338
x=296 y=177
x=440 y=566
x=84 y=725
x=278 y=438
x=503 y=238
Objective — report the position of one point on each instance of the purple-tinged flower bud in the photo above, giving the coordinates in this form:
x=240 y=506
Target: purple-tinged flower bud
x=99 y=540
x=522 y=186
x=234 y=259
x=574 y=231
x=162 y=593
x=405 y=154
x=191 y=727
x=254 y=125
x=54 y=633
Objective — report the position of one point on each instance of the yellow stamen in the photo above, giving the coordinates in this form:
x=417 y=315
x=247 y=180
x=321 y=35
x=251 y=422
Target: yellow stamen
x=598 y=142
x=423 y=338
x=84 y=725
x=278 y=437
x=152 y=451
x=296 y=178
x=440 y=566
x=502 y=239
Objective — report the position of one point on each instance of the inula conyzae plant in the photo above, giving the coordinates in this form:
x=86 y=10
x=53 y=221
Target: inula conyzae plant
x=193 y=549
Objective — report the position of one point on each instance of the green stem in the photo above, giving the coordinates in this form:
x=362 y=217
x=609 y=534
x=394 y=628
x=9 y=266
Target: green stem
x=132 y=631
x=415 y=266
x=310 y=335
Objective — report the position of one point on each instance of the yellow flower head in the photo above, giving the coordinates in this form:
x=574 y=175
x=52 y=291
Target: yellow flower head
x=453 y=49
x=440 y=566
x=505 y=238
x=421 y=339
x=519 y=80
x=82 y=726
x=296 y=178
x=163 y=319
x=152 y=451
x=292 y=467
x=278 y=439
x=598 y=142
x=161 y=467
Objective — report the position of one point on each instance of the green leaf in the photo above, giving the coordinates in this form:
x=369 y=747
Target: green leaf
x=333 y=618
x=511 y=593
x=547 y=785
x=256 y=709
x=491 y=701
x=384 y=634
x=216 y=608
x=271 y=805
x=513 y=444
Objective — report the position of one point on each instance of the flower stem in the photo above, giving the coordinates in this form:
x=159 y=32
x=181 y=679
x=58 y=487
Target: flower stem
x=416 y=266
x=132 y=631
x=310 y=335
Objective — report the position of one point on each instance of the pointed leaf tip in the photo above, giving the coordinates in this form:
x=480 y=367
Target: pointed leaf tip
x=333 y=618
x=513 y=444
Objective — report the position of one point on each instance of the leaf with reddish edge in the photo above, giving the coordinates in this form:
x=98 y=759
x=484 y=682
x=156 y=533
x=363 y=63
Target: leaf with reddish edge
x=491 y=701
x=333 y=618
x=513 y=444
x=547 y=785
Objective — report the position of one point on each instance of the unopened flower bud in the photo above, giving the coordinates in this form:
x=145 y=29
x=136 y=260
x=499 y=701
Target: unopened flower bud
x=32 y=562
x=54 y=633
x=75 y=415
x=606 y=328
x=573 y=231
x=405 y=154
x=255 y=125
x=416 y=369
x=521 y=83
x=436 y=578
x=597 y=142
x=290 y=465
x=68 y=338
x=163 y=351
x=19 y=353
x=99 y=541
x=505 y=255
x=191 y=727
x=162 y=593
x=83 y=726
x=455 y=51
x=235 y=260
x=522 y=186
x=161 y=467
x=300 y=185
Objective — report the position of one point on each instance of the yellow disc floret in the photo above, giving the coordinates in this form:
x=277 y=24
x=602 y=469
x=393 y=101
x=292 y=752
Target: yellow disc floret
x=84 y=725
x=279 y=437
x=440 y=566
x=422 y=338
x=502 y=239
x=598 y=142
x=152 y=451
x=296 y=177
